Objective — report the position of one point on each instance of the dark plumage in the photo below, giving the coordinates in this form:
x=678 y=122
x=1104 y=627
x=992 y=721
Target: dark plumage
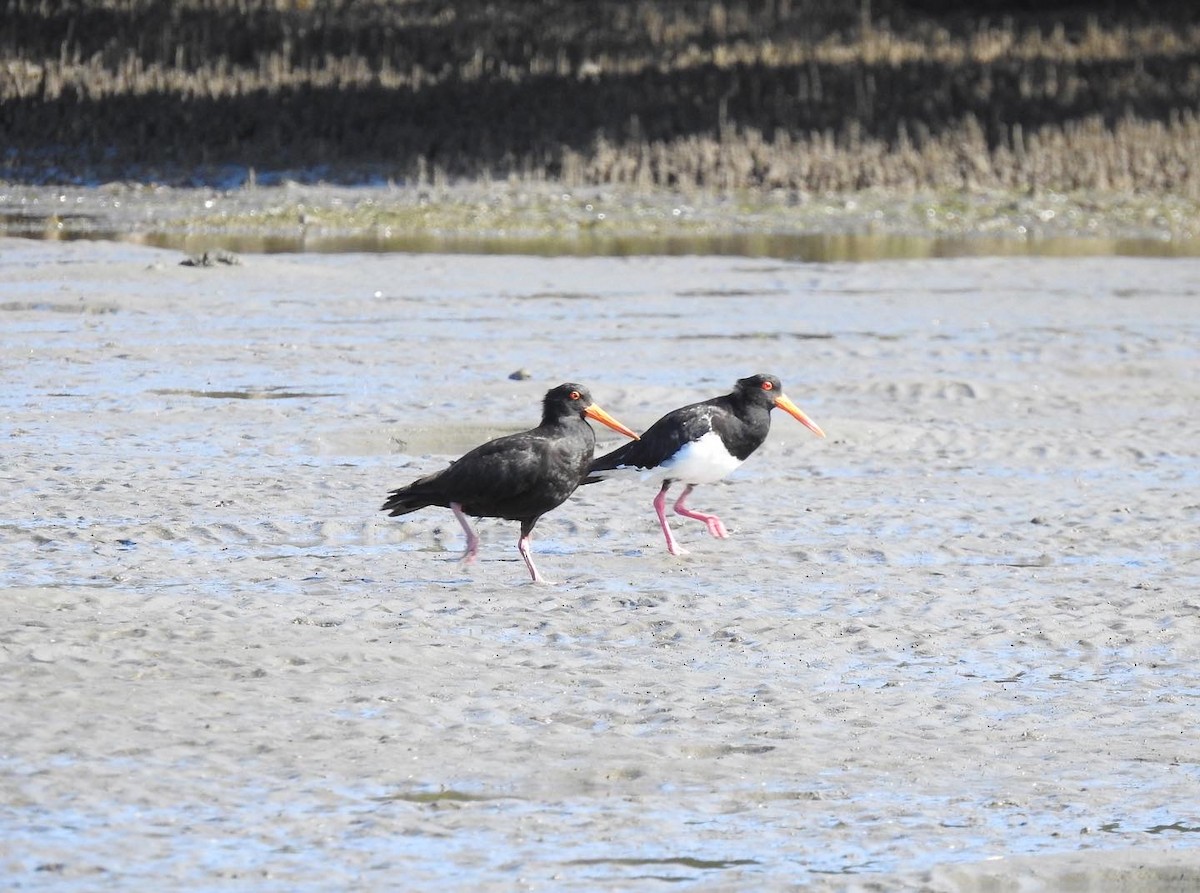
x=699 y=444
x=518 y=477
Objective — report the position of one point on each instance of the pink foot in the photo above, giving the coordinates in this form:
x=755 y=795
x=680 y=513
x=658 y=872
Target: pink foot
x=712 y=522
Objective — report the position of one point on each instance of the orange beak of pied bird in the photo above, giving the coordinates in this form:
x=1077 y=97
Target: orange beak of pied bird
x=595 y=412
x=798 y=414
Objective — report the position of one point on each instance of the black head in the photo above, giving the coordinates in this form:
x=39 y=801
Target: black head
x=565 y=401
x=572 y=400
x=759 y=389
x=767 y=392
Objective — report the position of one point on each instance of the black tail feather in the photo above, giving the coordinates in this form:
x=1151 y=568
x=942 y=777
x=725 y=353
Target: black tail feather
x=607 y=462
x=401 y=502
x=417 y=495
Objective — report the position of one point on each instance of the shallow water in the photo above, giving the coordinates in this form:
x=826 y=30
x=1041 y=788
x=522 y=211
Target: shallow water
x=817 y=247
x=961 y=627
x=746 y=841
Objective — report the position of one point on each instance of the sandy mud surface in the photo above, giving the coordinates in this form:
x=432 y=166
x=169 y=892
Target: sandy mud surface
x=951 y=647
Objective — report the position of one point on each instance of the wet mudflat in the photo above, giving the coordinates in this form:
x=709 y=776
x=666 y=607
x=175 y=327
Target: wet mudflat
x=959 y=632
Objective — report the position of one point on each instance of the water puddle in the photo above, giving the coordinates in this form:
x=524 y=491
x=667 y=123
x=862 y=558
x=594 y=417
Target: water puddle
x=270 y=392
x=436 y=797
x=1177 y=827
x=821 y=247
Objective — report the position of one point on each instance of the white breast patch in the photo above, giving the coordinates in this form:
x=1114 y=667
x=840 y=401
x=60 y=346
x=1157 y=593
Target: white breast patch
x=701 y=461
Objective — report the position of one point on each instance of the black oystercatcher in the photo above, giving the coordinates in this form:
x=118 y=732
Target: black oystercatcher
x=701 y=443
x=519 y=477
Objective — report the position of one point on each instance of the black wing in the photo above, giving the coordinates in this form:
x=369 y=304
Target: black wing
x=518 y=476
x=664 y=438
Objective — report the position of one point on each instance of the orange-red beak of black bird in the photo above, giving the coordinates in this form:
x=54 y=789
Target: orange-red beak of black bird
x=595 y=412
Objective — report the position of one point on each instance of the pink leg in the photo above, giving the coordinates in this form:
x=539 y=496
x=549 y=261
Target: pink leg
x=660 y=506
x=472 y=539
x=715 y=527
x=523 y=548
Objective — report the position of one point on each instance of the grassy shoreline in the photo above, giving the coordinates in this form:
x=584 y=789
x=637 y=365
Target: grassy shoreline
x=549 y=219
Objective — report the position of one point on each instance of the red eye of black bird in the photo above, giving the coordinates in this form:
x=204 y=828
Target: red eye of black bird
x=575 y=395
x=767 y=386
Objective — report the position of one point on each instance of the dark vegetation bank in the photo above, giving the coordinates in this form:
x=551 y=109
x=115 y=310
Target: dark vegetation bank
x=797 y=95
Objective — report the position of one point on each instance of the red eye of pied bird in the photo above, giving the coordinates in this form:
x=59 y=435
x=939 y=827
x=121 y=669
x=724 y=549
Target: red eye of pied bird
x=574 y=395
x=767 y=386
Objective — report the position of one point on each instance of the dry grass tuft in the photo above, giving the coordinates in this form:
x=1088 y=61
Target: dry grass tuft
x=802 y=95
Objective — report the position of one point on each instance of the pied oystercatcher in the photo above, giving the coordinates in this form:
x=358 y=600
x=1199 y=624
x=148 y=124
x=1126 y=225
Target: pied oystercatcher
x=518 y=477
x=699 y=444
